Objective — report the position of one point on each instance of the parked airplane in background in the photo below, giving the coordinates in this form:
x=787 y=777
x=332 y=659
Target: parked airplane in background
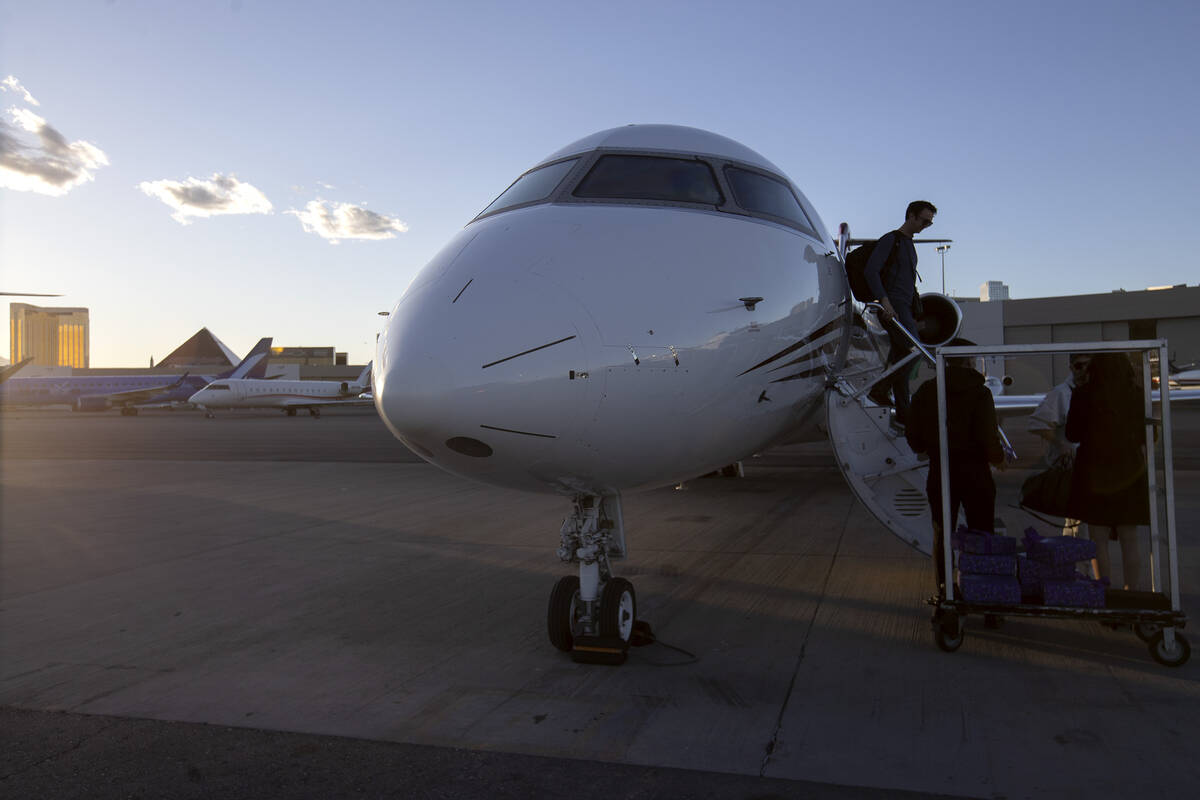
x=10 y=370
x=289 y=396
x=1185 y=377
x=126 y=392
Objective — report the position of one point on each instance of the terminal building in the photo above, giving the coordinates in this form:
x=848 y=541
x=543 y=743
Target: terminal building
x=1171 y=313
x=53 y=337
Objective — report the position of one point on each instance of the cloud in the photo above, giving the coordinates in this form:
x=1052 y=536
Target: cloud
x=220 y=194
x=35 y=157
x=11 y=84
x=336 y=221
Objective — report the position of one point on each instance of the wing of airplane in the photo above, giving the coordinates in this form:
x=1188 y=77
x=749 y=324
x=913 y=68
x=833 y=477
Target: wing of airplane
x=1022 y=405
x=332 y=401
x=133 y=396
x=856 y=242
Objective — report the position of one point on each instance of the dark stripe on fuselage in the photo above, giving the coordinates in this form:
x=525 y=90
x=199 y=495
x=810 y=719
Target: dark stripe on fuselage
x=807 y=373
x=527 y=352
x=523 y=433
x=817 y=334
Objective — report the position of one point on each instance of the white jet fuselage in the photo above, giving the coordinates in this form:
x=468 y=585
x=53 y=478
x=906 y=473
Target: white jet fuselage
x=252 y=393
x=595 y=348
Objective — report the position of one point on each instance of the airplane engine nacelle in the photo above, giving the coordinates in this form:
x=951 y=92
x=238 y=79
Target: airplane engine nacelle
x=940 y=320
x=92 y=404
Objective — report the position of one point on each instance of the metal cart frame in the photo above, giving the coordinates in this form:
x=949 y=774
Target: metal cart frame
x=1156 y=616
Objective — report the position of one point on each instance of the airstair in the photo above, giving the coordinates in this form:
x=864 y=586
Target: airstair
x=871 y=451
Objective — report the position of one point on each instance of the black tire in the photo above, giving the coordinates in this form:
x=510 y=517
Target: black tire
x=565 y=607
x=948 y=633
x=1158 y=650
x=618 y=609
x=291 y=412
x=1146 y=631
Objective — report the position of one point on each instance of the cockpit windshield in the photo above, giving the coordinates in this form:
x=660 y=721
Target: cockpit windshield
x=535 y=185
x=216 y=386
x=766 y=196
x=701 y=183
x=671 y=180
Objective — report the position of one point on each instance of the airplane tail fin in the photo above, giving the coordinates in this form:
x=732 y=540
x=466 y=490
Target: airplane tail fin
x=254 y=365
x=360 y=384
x=364 y=377
x=13 y=369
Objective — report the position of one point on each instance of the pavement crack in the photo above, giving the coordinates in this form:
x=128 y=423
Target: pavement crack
x=60 y=754
x=769 y=750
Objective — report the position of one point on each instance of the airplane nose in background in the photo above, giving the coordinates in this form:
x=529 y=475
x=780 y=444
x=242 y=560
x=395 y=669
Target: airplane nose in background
x=488 y=370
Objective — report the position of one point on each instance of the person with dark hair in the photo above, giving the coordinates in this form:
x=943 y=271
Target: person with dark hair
x=973 y=443
x=1049 y=422
x=1109 y=484
x=896 y=291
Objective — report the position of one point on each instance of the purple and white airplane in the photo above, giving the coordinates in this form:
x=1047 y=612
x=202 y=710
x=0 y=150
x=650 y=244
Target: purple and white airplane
x=126 y=392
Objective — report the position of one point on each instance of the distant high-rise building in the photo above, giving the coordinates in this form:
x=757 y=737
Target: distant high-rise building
x=55 y=337
x=993 y=290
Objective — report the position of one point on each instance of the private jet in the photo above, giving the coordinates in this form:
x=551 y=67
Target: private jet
x=648 y=304
x=288 y=396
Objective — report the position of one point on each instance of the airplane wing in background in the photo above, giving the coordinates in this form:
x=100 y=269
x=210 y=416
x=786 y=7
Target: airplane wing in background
x=332 y=401
x=1022 y=405
x=134 y=397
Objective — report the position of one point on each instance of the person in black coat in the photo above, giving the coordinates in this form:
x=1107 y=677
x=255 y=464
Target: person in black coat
x=1109 y=486
x=973 y=445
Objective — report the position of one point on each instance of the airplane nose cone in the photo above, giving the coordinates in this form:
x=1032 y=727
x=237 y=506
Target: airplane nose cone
x=471 y=375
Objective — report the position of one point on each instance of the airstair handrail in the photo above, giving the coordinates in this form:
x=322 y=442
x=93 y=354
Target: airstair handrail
x=916 y=342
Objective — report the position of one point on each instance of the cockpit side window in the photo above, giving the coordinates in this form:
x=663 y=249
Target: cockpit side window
x=215 y=386
x=670 y=180
x=766 y=196
x=531 y=187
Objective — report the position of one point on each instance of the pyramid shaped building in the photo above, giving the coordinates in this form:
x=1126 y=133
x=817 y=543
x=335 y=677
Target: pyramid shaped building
x=202 y=350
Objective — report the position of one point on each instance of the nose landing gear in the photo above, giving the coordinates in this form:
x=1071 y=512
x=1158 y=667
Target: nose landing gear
x=592 y=615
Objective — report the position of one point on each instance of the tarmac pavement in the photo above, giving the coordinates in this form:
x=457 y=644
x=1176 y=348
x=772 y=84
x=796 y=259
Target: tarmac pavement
x=259 y=605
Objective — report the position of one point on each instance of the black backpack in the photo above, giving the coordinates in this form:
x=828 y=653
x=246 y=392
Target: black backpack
x=856 y=269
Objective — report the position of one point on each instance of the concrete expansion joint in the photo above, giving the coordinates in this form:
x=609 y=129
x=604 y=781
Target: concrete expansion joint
x=769 y=751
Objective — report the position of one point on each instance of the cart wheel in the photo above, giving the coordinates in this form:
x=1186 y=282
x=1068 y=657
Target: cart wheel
x=948 y=632
x=1177 y=658
x=1146 y=630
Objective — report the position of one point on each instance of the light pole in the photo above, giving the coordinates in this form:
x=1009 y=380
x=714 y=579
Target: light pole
x=942 y=248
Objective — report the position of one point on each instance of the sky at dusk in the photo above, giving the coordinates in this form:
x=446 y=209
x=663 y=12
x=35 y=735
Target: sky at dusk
x=285 y=168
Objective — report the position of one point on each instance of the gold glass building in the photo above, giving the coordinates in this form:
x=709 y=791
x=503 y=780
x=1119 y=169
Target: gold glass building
x=55 y=337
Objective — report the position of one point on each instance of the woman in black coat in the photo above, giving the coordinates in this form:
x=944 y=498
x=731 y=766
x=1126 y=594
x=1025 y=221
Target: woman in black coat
x=1109 y=489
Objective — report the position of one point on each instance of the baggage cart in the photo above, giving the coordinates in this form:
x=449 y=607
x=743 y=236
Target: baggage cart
x=1155 y=616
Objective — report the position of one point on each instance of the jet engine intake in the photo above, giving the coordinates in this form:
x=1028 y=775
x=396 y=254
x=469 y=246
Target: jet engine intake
x=92 y=403
x=940 y=320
